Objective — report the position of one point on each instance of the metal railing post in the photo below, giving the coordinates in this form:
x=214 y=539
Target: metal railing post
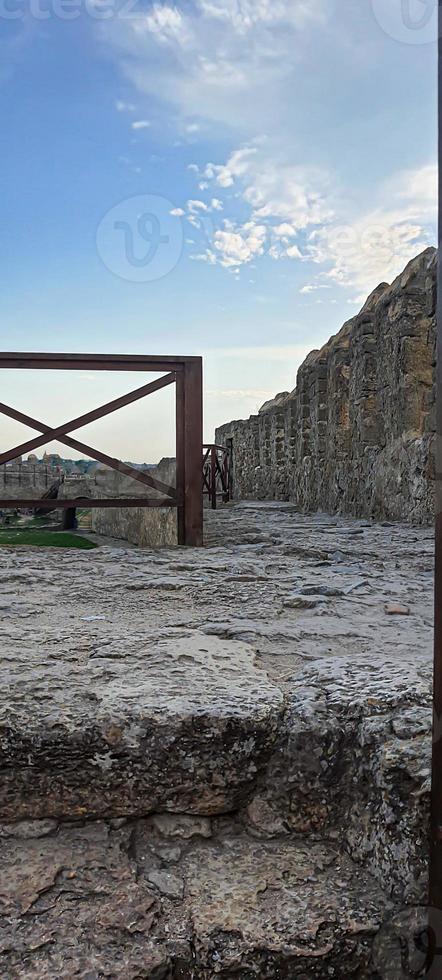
x=191 y=434
x=180 y=458
x=213 y=477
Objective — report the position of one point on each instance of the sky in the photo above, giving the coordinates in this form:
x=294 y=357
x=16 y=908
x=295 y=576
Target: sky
x=228 y=178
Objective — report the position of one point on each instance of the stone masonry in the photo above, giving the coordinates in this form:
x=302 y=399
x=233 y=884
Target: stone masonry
x=147 y=527
x=23 y=480
x=215 y=762
x=355 y=436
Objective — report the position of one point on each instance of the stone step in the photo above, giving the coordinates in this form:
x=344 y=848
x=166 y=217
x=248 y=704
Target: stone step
x=106 y=713
x=188 y=723
x=183 y=722
x=353 y=759
x=184 y=898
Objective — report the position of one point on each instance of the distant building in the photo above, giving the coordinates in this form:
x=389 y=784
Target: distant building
x=52 y=460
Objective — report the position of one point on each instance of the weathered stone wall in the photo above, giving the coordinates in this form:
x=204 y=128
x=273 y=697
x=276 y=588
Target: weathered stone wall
x=23 y=480
x=355 y=436
x=146 y=527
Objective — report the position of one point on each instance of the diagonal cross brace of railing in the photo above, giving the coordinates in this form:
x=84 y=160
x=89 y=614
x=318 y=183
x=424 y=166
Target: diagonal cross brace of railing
x=60 y=433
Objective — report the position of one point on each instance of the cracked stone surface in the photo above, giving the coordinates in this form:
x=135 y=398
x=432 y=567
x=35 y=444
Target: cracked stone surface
x=94 y=901
x=212 y=778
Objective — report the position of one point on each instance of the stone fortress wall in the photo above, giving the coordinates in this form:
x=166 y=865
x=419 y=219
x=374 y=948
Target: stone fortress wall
x=24 y=480
x=356 y=434
x=147 y=527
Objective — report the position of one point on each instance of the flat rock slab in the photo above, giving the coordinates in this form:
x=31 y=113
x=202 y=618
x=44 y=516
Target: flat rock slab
x=183 y=722
x=145 y=901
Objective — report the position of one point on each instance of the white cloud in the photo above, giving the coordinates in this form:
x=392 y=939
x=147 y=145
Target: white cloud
x=207 y=256
x=196 y=55
x=290 y=202
x=418 y=187
x=294 y=193
x=356 y=300
x=237 y=64
x=124 y=106
x=371 y=250
x=284 y=230
x=375 y=246
x=177 y=212
x=312 y=287
x=194 y=221
x=238 y=245
x=293 y=252
x=195 y=206
x=141 y=124
x=244 y=15
x=166 y=24
x=238 y=165
x=282 y=201
x=275 y=189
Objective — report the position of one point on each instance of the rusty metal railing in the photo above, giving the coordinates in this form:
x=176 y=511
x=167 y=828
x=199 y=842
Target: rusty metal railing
x=217 y=473
x=185 y=373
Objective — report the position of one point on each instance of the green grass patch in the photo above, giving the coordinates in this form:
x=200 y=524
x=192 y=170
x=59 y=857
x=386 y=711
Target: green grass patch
x=44 y=539
x=29 y=522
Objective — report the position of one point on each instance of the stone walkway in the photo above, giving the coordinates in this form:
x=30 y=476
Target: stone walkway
x=215 y=763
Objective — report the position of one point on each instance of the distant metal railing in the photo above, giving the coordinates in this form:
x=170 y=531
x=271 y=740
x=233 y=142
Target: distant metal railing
x=217 y=474
x=184 y=372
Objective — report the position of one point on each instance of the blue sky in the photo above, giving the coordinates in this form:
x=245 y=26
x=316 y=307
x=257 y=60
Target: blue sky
x=221 y=177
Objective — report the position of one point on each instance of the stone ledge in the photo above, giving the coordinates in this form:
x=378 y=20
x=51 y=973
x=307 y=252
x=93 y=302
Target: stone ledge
x=353 y=759
x=183 y=723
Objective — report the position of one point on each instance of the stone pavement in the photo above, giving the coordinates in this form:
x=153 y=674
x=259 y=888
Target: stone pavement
x=215 y=763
